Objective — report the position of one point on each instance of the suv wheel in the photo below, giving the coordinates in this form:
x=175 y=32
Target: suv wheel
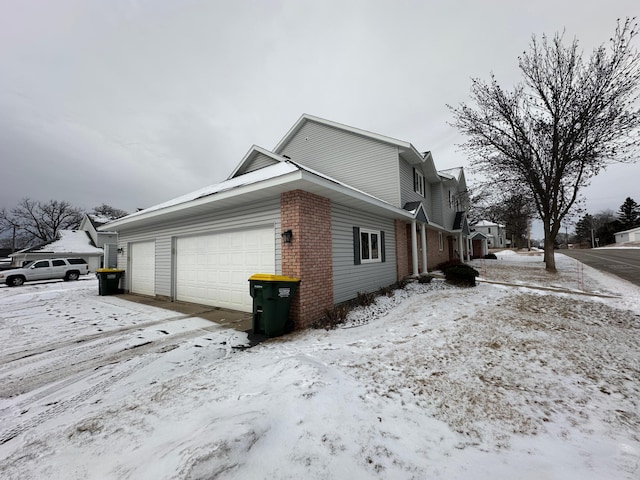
x=15 y=281
x=72 y=276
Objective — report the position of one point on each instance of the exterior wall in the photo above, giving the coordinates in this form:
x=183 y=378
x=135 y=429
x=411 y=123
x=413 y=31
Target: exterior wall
x=403 y=250
x=104 y=237
x=434 y=255
x=437 y=204
x=448 y=208
x=267 y=213
x=349 y=279
x=259 y=161
x=407 y=194
x=360 y=162
x=308 y=256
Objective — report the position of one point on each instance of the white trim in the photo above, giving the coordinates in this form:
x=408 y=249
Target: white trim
x=370 y=233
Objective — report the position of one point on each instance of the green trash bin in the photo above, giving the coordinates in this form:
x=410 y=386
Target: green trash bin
x=109 y=280
x=272 y=296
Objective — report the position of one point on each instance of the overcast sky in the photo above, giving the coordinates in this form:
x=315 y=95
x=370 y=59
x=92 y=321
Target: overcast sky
x=131 y=103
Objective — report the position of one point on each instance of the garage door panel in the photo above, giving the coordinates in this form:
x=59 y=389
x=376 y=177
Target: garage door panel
x=143 y=271
x=213 y=269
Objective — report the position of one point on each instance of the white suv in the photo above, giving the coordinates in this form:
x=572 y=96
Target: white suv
x=49 y=269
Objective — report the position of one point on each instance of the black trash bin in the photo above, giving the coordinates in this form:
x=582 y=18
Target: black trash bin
x=272 y=296
x=109 y=280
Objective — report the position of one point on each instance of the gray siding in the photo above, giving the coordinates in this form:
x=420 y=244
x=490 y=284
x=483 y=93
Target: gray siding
x=406 y=187
x=259 y=161
x=268 y=213
x=360 y=162
x=436 y=203
x=349 y=279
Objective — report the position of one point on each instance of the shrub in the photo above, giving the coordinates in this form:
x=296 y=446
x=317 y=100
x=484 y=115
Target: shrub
x=425 y=278
x=401 y=284
x=463 y=275
x=364 y=299
x=333 y=317
x=449 y=263
x=386 y=291
x=491 y=256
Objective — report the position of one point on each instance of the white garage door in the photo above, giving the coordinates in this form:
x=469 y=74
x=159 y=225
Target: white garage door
x=142 y=278
x=214 y=269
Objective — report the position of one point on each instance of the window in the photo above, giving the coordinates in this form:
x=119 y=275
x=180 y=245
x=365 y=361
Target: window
x=77 y=261
x=418 y=182
x=59 y=263
x=488 y=229
x=41 y=264
x=368 y=246
x=440 y=242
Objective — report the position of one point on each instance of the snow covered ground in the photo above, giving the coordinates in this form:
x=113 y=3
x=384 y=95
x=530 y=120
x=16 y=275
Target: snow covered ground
x=536 y=380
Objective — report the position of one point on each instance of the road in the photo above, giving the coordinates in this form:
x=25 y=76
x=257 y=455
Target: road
x=622 y=262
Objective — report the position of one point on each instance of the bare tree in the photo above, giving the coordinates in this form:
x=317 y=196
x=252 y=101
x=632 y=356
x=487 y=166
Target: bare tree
x=109 y=212
x=36 y=222
x=559 y=127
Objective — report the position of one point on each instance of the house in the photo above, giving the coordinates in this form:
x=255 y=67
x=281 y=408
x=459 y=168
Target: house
x=69 y=244
x=479 y=244
x=632 y=235
x=106 y=240
x=495 y=233
x=343 y=209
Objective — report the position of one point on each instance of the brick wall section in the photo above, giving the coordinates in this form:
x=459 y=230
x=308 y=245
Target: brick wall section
x=435 y=256
x=308 y=256
x=402 y=249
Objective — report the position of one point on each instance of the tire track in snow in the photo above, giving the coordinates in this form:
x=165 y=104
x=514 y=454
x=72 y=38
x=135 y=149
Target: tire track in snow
x=144 y=353
x=71 y=362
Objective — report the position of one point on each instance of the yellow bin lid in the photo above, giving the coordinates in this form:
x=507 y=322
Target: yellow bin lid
x=267 y=277
x=109 y=270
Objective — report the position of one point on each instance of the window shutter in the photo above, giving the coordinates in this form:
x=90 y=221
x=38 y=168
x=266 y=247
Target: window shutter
x=383 y=256
x=356 y=245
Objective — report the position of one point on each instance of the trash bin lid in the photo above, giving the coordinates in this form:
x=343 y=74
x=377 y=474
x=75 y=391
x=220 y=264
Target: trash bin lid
x=267 y=277
x=109 y=270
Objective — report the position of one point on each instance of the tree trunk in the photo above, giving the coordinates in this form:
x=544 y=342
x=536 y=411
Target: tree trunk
x=549 y=258
x=549 y=241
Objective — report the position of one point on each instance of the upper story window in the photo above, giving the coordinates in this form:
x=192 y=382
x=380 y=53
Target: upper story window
x=418 y=182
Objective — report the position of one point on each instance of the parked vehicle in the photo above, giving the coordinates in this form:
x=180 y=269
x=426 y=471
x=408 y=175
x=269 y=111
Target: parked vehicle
x=47 y=269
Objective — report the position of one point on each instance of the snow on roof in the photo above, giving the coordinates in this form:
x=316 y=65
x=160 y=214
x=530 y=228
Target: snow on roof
x=99 y=219
x=486 y=223
x=451 y=172
x=70 y=241
x=272 y=171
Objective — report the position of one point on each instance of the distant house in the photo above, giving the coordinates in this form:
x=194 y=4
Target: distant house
x=495 y=233
x=479 y=244
x=69 y=244
x=106 y=240
x=343 y=209
x=632 y=235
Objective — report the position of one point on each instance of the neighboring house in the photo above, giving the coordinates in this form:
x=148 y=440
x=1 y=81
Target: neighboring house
x=479 y=244
x=343 y=209
x=632 y=235
x=70 y=244
x=495 y=233
x=106 y=240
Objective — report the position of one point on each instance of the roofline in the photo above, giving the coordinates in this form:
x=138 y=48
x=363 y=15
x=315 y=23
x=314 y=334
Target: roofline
x=376 y=136
x=300 y=174
x=254 y=148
